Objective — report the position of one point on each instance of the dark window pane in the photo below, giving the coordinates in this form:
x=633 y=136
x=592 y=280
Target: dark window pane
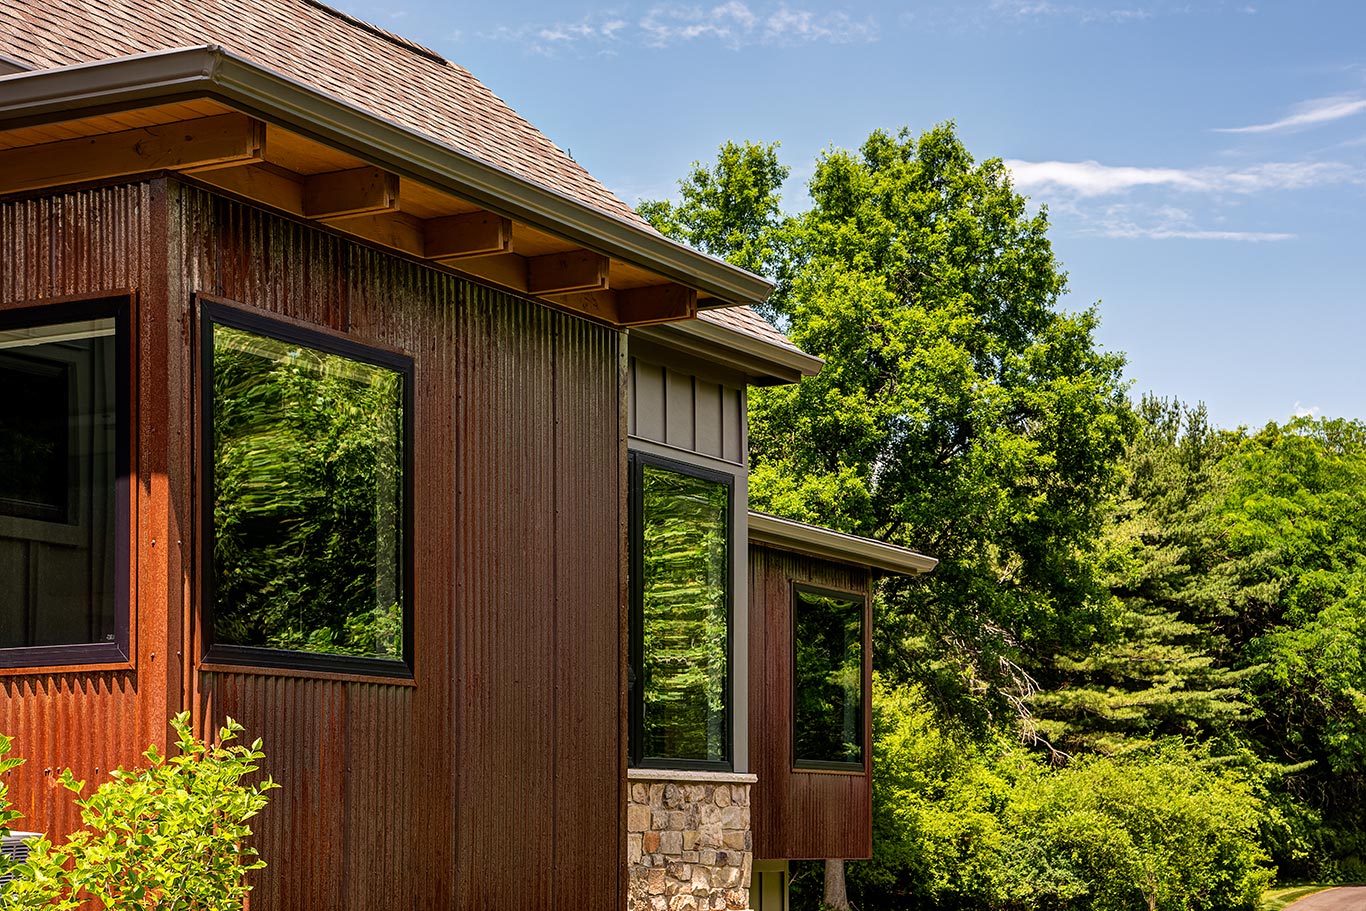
x=828 y=685
x=59 y=425
x=685 y=598
x=308 y=498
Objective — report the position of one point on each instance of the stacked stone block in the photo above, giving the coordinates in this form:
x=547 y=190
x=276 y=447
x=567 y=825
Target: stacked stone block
x=689 y=845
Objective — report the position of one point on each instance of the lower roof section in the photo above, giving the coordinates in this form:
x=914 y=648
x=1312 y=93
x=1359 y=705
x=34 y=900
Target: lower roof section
x=799 y=537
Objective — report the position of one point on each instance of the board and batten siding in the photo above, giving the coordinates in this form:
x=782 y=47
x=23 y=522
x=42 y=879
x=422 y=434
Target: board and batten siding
x=495 y=778
x=676 y=407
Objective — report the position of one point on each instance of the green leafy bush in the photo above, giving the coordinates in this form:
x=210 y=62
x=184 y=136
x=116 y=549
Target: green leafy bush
x=170 y=837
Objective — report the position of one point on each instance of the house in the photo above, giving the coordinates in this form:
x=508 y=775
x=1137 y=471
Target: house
x=338 y=400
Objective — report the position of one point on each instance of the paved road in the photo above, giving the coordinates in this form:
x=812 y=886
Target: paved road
x=1351 y=898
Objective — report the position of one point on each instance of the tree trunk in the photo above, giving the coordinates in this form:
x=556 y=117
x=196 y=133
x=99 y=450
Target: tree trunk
x=836 y=892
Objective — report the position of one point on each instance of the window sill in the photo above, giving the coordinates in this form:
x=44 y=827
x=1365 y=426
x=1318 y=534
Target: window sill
x=690 y=775
x=210 y=667
x=852 y=771
x=54 y=670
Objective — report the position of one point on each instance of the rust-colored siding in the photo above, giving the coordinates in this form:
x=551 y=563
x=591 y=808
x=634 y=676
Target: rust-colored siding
x=494 y=779
x=94 y=243
x=799 y=813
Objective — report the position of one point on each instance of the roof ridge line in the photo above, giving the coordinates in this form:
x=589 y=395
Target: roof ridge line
x=392 y=37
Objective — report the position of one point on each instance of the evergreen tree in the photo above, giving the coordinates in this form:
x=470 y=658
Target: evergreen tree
x=1166 y=670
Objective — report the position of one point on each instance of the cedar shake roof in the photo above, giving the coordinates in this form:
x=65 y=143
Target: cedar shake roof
x=321 y=47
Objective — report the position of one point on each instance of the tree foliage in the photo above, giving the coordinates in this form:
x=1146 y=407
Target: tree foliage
x=961 y=824
x=960 y=411
x=1174 y=611
x=169 y=837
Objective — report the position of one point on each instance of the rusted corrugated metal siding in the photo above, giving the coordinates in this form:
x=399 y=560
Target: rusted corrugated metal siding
x=93 y=243
x=798 y=813
x=495 y=781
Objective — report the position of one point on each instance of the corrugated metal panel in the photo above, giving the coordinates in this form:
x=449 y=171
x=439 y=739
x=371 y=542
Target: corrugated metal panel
x=90 y=243
x=495 y=781
x=796 y=813
x=589 y=619
x=672 y=406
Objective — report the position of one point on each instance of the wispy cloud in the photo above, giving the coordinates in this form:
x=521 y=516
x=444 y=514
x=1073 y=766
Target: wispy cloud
x=734 y=24
x=1091 y=178
x=1085 y=13
x=1307 y=114
x=1311 y=411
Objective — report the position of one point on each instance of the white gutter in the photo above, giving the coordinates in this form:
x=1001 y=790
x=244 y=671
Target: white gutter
x=786 y=534
x=210 y=71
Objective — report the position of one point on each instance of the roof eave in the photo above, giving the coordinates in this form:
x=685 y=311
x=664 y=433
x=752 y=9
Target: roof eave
x=210 y=71
x=786 y=534
x=763 y=363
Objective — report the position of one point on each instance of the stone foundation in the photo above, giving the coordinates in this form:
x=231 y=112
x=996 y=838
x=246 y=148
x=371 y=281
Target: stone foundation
x=688 y=842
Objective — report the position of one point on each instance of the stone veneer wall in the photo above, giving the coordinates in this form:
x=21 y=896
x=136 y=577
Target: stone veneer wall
x=688 y=842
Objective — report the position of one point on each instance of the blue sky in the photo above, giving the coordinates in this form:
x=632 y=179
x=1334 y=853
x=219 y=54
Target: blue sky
x=1204 y=163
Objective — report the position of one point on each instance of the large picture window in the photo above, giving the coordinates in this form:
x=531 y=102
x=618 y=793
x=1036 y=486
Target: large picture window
x=828 y=675
x=64 y=462
x=681 y=552
x=306 y=441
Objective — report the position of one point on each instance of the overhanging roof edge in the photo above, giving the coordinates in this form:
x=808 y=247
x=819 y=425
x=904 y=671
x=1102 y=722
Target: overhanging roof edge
x=824 y=542
x=213 y=71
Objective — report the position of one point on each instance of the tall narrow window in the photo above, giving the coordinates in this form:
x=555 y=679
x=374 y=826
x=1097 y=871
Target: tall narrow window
x=828 y=675
x=681 y=603
x=64 y=579
x=307 y=454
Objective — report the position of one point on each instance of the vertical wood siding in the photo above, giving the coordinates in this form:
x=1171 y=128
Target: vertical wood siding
x=798 y=813
x=495 y=780
x=689 y=412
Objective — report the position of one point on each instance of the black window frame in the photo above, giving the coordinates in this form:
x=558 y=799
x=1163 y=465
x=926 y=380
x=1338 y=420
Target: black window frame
x=118 y=650
x=638 y=460
x=864 y=638
x=212 y=313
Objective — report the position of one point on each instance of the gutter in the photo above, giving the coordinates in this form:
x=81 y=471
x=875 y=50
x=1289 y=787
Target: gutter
x=765 y=363
x=815 y=541
x=210 y=71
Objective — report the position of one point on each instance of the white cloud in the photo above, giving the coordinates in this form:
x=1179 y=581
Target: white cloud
x=734 y=24
x=1024 y=9
x=1134 y=222
x=1310 y=412
x=1307 y=114
x=1091 y=178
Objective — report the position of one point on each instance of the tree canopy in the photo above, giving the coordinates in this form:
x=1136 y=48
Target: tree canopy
x=1138 y=676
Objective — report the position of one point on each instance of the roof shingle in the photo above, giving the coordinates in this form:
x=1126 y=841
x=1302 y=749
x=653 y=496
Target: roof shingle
x=335 y=53
x=325 y=49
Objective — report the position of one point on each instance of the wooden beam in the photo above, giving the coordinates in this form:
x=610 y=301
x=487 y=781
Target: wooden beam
x=342 y=194
x=507 y=270
x=597 y=304
x=471 y=234
x=655 y=304
x=259 y=183
x=208 y=142
x=559 y=273
x=396 y=230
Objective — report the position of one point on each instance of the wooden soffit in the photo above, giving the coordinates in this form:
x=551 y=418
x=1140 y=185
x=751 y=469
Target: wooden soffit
x=222 y=122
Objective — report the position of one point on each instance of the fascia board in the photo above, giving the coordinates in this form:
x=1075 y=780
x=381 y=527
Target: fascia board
x=764 y=362
x=214 y=72
x=815 y=541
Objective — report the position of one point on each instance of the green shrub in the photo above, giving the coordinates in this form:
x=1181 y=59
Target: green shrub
x=170 y=837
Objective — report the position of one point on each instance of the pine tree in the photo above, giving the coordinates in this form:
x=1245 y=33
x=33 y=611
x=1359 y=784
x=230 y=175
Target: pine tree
x=1166 y=670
